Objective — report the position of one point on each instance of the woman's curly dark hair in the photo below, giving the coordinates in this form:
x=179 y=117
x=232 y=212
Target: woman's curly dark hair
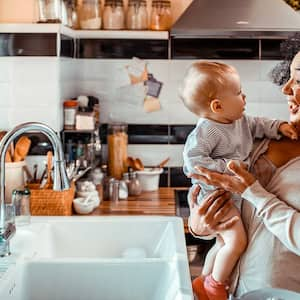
x=288 y=48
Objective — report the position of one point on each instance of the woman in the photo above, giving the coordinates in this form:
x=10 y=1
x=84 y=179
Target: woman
x=270 y=210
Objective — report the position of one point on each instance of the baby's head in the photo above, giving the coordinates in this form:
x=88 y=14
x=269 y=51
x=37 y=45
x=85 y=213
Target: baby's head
x=213 y=90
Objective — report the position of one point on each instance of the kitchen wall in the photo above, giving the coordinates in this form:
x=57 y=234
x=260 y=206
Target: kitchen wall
x=33 y=89
x=29 y=90
x=103 y=78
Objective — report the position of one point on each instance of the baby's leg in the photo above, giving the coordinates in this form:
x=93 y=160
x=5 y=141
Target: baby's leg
x=211 y=256
x=235 y=242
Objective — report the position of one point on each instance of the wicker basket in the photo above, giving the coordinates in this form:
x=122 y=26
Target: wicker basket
x=46 y=202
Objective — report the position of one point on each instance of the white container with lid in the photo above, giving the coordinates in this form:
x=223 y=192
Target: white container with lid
x=149 y=178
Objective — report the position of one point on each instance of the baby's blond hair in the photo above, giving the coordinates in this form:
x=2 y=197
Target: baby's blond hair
x=201 y=84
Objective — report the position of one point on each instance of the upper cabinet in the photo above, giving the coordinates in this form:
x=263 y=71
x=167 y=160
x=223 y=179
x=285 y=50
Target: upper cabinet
x=58 y=40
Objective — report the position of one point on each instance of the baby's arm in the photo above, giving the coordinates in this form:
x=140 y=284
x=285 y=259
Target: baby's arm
x=288 y=130
x=263 y=127
x=198 y=148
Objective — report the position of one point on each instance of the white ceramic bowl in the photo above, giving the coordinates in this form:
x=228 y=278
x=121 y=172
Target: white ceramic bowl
x=149 y=178
x=82 y=207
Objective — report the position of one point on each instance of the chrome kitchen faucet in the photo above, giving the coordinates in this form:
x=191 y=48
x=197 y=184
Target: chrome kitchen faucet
x=60 y=178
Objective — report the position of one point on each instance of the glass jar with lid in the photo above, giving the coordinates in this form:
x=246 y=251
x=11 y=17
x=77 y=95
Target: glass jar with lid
x=117 y=141
x=161 y=17
x=137 y=15
x=49 y=11
x=89 y=14
x=113 y=15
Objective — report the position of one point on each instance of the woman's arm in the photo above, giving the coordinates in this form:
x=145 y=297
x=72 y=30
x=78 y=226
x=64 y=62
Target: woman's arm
x=280 y=219
x=205 y=219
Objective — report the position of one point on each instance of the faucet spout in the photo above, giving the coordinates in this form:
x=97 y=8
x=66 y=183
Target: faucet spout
x=61 y=181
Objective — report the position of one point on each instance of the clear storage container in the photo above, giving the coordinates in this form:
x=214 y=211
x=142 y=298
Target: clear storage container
x=89 y=14
x=161 y=17
x=117 y=141
x=137 y=15
x=49 y=11
x=113 y=15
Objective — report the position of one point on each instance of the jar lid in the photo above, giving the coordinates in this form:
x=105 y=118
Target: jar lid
x=113 y=3
x=136 y=2
x=21 y=191
x=70 y=103
x=161 y=3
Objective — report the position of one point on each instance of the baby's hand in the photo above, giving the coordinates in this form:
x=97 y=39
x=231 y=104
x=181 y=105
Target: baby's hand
x=288 y=130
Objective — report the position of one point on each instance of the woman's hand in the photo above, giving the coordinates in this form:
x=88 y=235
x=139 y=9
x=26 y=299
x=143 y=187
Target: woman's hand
x=206 y=218
x=236 y=183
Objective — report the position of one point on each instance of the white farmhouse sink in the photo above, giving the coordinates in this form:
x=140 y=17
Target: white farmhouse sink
x=64 y=258
x=108 y=237
x=96 y=280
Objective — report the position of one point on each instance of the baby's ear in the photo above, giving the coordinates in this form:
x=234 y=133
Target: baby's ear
x=216 y=106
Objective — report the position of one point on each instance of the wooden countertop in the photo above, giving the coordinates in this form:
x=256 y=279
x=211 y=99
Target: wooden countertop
x=160 y=202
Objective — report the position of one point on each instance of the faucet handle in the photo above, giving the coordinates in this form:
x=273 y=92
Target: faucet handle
x=9 y=231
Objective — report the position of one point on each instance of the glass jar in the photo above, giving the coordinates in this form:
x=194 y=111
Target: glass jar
x=97 y=178
x=113 y=15
x=117 y=141
x=137 y=15
x=21 y=201
x=89 y=14
x=70 y=110
x=161 y=17
x=123 y=189
x=49 y=11
x=135 y=187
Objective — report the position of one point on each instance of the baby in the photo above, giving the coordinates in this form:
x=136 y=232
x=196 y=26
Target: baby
x=212 y=91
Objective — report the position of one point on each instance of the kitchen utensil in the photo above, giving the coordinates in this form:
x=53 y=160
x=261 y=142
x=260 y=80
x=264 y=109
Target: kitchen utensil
x=21 y=148
x=149 y=178
x=130 y=162
x=138 y=164
x=49 y=169
x=28 y=174
x=35 y=168
x=163 y=163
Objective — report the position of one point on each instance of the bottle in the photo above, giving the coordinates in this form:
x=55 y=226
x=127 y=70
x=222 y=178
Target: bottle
x=21 y=201
x=97 y=178
x=114 y=186
x=89 y=13
x=113 y=15
x=161 y=18
x=137 y=15
x=117 y=141
x=105 y=182
x=135 y=187
x=70 y=110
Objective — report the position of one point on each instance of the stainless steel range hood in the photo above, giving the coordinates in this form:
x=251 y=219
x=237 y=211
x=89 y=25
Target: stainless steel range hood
x=236 y=18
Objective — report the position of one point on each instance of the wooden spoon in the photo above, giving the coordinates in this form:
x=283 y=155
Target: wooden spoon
x=138 y=165
x=22 y=148
x=49 y=169
x=162 y=164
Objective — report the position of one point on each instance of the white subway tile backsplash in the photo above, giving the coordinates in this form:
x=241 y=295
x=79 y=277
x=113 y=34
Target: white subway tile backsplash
x=152 y=155
x=49 y=115
x=265 y=68
x=6 y=69
x=35 y=69
x=5 y=95
x=270 y=110
x=41 y=94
